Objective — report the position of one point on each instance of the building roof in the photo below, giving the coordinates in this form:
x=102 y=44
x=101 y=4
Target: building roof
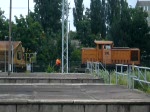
x=4 y=45
x=143 y=3
x=103 y=42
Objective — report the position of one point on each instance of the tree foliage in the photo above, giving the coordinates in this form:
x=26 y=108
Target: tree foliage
x=96 y=16
x=48 y=13
x=29 y=32
x=112 y=19
x=3 y=25
x=139 y=31
x=78 y=13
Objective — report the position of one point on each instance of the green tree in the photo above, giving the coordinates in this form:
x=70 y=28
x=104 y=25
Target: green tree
x=34 y=39
x=4 y=23
x=113 y=11
x=96 y=16
x=103 y=18
x=28 y=32
x=139 y=30
x=82 y=23
x=119 y=27
x=48 y=13
x=130 y=28
x=78 y=13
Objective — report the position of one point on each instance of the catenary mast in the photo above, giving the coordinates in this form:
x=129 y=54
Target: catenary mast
x=65 y=12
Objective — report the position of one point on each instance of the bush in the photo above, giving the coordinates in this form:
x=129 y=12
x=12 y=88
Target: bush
x=50 y=69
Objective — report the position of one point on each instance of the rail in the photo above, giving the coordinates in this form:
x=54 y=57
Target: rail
x=94 y=68
x=133 y=74
x=141 y=75
x=122 y=70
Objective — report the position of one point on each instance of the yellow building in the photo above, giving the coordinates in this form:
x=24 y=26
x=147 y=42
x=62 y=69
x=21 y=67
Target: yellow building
x=18 y=54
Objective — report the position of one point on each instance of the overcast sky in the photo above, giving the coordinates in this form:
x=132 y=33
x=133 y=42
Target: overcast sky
x=21 y=7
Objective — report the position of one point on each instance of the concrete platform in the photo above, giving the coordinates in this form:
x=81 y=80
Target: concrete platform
x=52 y=75
x=42 y=92
x=49 y=78
x=71 y=98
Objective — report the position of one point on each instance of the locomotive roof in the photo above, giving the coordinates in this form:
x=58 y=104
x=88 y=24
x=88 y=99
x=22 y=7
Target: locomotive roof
x=103 y=42
x=4 y=45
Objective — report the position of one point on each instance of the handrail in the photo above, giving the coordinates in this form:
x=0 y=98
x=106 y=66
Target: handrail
x=94 y=67
x=140 y=76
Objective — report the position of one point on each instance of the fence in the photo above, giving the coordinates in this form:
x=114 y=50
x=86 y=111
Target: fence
x=95 y=67
x=122 y=70
x=130 y=73
x=40 y=66
x=133 y=74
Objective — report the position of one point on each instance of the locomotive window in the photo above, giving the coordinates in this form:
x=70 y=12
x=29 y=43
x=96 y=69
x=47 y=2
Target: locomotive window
x=107 y=47
x=19 y=55
x=134 y=55
x=100 y=46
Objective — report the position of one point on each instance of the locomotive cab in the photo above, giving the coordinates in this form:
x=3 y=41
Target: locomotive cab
x=104 y=51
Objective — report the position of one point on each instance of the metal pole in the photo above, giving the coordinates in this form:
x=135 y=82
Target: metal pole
x=12 y=56
x=5 y=51
x=9 y=52
x=63 y=17
x=67 y=37
x=67 y=43
x=5 y=56
x=116 y=76
x=28 y=7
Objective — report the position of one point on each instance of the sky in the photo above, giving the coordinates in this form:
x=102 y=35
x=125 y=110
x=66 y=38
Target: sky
x=21 y=7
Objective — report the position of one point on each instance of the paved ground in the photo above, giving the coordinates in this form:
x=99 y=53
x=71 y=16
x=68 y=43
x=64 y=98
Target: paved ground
x=69 y=92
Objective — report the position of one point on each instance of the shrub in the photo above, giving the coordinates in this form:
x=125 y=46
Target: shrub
x=50 y=69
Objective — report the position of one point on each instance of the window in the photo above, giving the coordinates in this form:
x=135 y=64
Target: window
x=134 y=55
x=19 y=55
x=148 y=8
x=108 y=47
x=143 y=8
x=100 y=46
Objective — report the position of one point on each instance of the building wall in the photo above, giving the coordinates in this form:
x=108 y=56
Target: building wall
x=146 y=7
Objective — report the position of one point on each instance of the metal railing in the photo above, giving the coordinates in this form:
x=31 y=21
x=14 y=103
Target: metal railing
x=122 y=70
x=141 y=75
x=95 y=67
x=133 y=73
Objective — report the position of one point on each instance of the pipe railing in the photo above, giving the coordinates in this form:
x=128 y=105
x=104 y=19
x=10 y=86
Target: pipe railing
x=133 y=73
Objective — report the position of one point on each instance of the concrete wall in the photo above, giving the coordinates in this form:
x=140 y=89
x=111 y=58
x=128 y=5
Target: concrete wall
x=73 y=108
x=48 y=80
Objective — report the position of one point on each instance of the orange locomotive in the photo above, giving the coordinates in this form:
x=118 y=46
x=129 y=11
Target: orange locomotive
x=109 y=55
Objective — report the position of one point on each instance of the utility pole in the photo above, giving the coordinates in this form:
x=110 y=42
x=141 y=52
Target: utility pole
x=5 y=51
x=12 y=54
x=9 y=50
x=28 y=7
x=65 y=12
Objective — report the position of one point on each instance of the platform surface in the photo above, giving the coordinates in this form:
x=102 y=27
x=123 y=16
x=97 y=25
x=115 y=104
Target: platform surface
x=69 y=93
x=50 y=75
